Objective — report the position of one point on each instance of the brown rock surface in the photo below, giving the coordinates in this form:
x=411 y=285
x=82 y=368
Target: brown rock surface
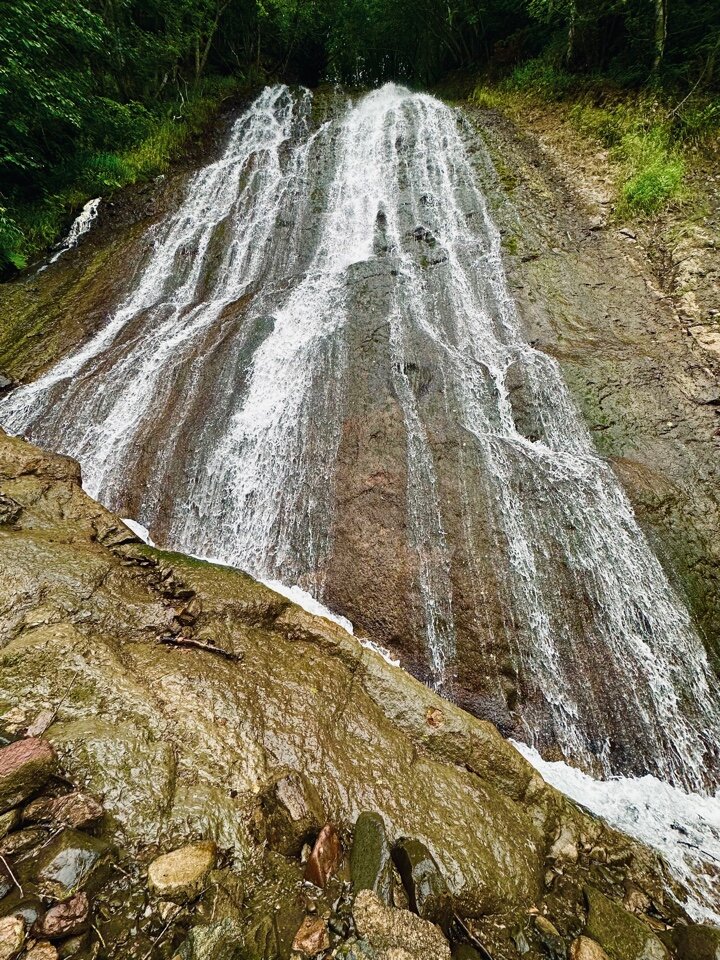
x=325 y=856
x=65 y=919
x=24 y=767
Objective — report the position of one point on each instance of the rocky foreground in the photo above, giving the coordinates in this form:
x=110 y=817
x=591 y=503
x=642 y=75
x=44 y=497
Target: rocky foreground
x=193 y=767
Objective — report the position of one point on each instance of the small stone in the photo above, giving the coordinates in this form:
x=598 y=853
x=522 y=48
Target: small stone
x=626 y=232
x=697 y=941
x=222 y=940
x=71 y=810
x=325 y=857
x=387 y=930
x=41 y=722
x=312 y=937
x=564 y=848
x=425 y=887
x=65 y=919
x=25 y=766
x=12 y=937
x=22 y=841
x=370 y=858
x=181 y=874
x=635 y=900
x=27 y=908
x=293 y=813
x=550 y=937
x=8 y=822
x=71 y=862
x=583 y=948
x=42 y=951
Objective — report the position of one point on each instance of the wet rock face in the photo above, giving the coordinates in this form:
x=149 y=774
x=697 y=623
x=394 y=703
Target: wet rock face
x=274 y=724
x=697 y=942
x=620 y=934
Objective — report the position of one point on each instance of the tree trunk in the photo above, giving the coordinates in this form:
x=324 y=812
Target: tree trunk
x=572 y=24
x=660 y=31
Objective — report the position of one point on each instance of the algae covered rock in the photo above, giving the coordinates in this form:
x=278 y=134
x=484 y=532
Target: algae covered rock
x=619 y=933
x=71 y=862
x=25 y=766
x=293 y=812
x=216 y=941
x=696 y=941
x=370 y=857
x=426 y=889
x=387 y=930
x=181 y=874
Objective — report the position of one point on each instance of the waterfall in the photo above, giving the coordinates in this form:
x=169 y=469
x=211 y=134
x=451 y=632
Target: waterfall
x=211 y=406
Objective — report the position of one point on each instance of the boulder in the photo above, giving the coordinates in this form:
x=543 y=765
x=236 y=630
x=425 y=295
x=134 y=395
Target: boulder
x=370 y=857
x=222 y=940
x=25 y=766
x=181 y=874
x=697 y=941
x=312 y=937
x=583 y=948
x=325 y=857
x=426 y=889
x=71 y=810
x=293 y=812
x=621 y=935
x=27 y=908
x=65 y=919
x=12 y=937
x=71 y=862
x=387 y=930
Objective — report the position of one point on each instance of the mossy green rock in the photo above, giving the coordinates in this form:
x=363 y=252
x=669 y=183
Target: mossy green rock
x=217 y=941
x=370 y=859
x=697 y=942
x=72 y=861
x=619 y=933
x=426 y=889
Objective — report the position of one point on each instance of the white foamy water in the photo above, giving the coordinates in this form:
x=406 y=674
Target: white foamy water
x=80 y=226
x=684 y=828
x=213 y=401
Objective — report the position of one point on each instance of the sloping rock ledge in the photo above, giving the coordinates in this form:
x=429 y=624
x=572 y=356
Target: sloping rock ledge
x=200 y=707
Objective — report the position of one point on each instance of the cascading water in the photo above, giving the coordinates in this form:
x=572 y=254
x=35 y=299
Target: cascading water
x=214 y=402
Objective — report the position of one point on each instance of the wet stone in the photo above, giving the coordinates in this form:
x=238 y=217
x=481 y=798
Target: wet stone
x=550 y=938
x=181 y=874
x=426 y=890
x=42 y=951
x=72 y=810
x=73 y=861
x=697 y=941
x=312 y=937
x=8 y=822
x=370 y=857
x=325 y=858
x=22 y=841
x=388 y=930
x=29 y=908
x=217 y=941
x=583 y=948
x=621 y=935
x=292 y=811
x=12 y=937
x=25 y=766
x=65 y=919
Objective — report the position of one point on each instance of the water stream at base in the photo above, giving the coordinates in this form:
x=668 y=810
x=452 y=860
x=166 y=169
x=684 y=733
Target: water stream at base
x=218 y=389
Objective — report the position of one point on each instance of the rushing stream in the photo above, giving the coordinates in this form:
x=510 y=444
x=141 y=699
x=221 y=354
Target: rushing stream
x=229 y=399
